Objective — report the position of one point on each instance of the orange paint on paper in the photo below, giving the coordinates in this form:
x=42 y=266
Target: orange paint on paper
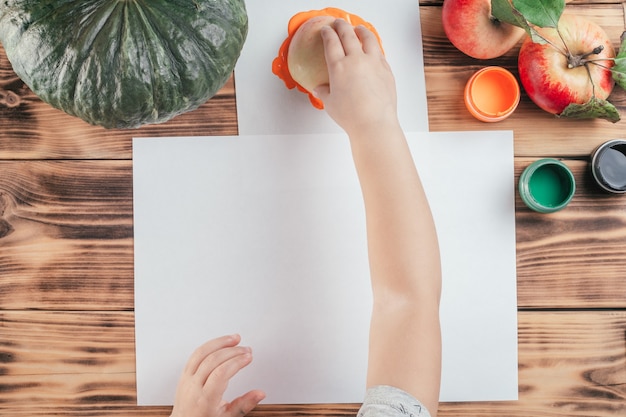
x=279 y=65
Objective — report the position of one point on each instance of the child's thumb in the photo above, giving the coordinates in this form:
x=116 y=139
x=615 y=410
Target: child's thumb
x=321 y=91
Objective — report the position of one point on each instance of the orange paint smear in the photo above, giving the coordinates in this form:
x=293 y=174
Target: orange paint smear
x=279 y=65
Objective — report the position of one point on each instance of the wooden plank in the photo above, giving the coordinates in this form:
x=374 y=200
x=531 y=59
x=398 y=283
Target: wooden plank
x=438 y=51
x=31 y=129
x=570 y=364
x=66 y=245
x=66 y=235
x=66 y=240
x=536 y=132
x=575 y=257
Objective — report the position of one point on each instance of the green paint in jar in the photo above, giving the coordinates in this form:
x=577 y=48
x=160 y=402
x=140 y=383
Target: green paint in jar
x=547 y=185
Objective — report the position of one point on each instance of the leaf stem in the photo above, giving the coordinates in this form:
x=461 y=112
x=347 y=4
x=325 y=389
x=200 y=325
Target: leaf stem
x=567 y=51
x=564 y=52
x=593 y=85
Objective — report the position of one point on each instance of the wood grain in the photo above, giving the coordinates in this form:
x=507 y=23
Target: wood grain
x=570 y=364
x=66 y=240
x=66 y=251
x=555 y=380
x=536 y=132
x=574 y=258
x=31 y=129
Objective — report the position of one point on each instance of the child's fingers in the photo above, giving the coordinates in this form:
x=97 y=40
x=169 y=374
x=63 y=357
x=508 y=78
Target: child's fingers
x=199 y=355
x=349 y=39
x=244 y=404
x=212 y=363
x=218 y=379
x=333 y=50
x=322 y=91
x=369 y=40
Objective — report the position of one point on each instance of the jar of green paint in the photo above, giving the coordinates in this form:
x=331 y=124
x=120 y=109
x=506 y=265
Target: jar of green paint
x=547 y=185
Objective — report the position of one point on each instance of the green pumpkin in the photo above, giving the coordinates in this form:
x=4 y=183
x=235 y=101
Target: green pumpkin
x=123 y=63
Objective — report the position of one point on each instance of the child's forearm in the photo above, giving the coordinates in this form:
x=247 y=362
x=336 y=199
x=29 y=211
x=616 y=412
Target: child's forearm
x=405 y=336
x=402 y=241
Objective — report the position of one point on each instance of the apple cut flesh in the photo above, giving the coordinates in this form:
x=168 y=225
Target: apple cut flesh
x=301 y=62
x=565 y=70
x=471 y=28
x=305 y=59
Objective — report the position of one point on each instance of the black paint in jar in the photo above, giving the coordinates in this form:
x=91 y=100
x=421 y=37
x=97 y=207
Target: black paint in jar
x=608 y=166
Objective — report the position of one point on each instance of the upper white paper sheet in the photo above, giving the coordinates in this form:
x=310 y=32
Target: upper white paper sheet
x=266 y=106
x=265 y=236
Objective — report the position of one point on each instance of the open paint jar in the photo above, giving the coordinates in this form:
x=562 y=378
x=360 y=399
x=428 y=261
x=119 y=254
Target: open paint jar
x=608 y=166
x=492 y=94
x=547 y=185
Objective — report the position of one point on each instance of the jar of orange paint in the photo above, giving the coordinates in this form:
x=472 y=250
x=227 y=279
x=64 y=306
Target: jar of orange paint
x=492 y=94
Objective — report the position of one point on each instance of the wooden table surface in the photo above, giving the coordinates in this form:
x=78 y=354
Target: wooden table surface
x=66 y=251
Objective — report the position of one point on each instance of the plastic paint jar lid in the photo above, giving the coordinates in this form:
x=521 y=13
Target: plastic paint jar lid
x=547 y=185
x=608 y=166
x=492 y=94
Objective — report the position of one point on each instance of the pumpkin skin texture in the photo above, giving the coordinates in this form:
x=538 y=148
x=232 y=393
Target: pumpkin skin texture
x=123 y=63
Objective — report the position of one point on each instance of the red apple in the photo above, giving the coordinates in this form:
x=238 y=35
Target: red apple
x=470 y=27
x=305 y=58
x=571 y=67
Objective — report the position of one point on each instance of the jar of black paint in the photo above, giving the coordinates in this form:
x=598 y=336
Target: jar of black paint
x=608 y=166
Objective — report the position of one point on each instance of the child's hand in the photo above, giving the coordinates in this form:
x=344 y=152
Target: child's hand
x=205 y=379
x=362 y=91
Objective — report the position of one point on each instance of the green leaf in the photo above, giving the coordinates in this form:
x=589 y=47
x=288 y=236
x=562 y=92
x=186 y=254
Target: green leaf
x=593 y=109
x=619 y=69
x=535 y=36
x=504 y=11
x=542 y=13
x=619 y=72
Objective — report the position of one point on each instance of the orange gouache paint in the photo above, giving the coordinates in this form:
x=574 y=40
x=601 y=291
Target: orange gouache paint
x=280 y=67
x=492 y=94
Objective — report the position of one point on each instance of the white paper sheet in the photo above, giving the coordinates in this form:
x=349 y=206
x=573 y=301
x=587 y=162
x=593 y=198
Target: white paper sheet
x=266 y=106
x=265 y=236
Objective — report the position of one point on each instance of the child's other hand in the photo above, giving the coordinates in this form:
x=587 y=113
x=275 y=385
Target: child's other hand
x=205 y=379
x=362 y=91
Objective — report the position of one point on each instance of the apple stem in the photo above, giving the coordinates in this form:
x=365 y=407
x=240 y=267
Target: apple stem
x=595 y=51
x=574 y=61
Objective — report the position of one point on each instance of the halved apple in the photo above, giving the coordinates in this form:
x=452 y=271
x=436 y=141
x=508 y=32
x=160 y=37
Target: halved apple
x=305 y=58
x=300 y=62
